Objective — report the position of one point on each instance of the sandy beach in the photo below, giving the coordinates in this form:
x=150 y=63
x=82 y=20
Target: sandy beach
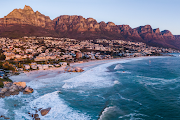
x=52 y=72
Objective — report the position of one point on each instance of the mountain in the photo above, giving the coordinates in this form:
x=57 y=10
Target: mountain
x=26 y=22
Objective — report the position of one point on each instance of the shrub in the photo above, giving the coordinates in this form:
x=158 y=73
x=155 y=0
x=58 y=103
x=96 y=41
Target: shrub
x=1 y=84
x=7 y=66
x=7 y=79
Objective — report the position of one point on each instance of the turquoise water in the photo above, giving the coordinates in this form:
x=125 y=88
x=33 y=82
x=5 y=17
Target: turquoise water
x=142 y=89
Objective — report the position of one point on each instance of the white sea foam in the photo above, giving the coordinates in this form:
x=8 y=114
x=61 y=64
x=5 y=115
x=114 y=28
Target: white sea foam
x=133 y=116
x=2 y=110
x=94 y=78
x=159 y=83
x=118 y=66
x=116 y=82
x=59 y=109
x=128 y=99
x=108 y=112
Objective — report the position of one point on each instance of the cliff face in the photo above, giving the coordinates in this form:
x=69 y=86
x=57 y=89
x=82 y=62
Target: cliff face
x=21 y=22
x=79 y=24
x=27 y=16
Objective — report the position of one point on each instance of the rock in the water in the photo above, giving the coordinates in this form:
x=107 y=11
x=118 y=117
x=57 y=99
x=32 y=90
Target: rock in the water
x=25 y=92
x=37 y=118
x=7 y=93
x=39 y=109
x=15 y=93
x=45 y=111
x=2 y=116
x=36 y=115
x=22 y=84
x=20 y=88
x=2 y=96
x=6 y=118
x=29 y=90
x=13 y=88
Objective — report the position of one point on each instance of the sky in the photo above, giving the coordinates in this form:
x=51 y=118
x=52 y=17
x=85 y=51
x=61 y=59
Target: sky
x=163 y=14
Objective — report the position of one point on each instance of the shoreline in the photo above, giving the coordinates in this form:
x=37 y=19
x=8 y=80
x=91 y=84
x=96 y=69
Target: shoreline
x=51 y=72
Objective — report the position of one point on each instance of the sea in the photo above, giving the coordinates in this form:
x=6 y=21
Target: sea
x=146 y=88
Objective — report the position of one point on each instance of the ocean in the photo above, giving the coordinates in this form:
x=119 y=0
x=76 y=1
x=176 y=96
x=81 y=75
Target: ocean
x=129 y=89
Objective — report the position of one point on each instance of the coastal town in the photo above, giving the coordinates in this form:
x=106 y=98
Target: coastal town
x=40 y=53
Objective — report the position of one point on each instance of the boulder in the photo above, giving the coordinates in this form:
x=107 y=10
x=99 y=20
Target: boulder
x=7 y=84
x=28 y=89
x=2 y=96
x=13 y=88
x=7 y=93
x=36 y=115
x=45 y=111
x=25 y=92
x=20 y=88
x=73 y=69
x=77 y=69
x=2 y=116
x=5 y=89
x=6 y=118
x=21 y=84
x=15 y=93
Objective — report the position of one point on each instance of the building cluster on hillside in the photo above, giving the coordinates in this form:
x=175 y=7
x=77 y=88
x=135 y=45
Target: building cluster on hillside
x=46 y=49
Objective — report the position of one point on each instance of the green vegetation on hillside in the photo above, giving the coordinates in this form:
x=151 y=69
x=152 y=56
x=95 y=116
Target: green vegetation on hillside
x=3 y=80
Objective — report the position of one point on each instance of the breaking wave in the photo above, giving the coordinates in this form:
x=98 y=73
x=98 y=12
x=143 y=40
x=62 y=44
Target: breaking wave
x=59 y=109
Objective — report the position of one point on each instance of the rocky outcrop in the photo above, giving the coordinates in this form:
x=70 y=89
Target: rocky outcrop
x=28 y=90
x=20 y=84
x=1 y=22
x=73 y=69
x=45 y=111
x=167 y=35
x=4 y=117
x=128 y=31
x=39 y=112
x=14 y=89
x=76 y=23
x=79 y=24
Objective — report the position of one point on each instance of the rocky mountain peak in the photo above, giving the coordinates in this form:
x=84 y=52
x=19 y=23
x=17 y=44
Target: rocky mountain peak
x=90 y=19
x=167 y=34
x=144 y=29
x=27 y=8
x=27 y=16
x=156 y=31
